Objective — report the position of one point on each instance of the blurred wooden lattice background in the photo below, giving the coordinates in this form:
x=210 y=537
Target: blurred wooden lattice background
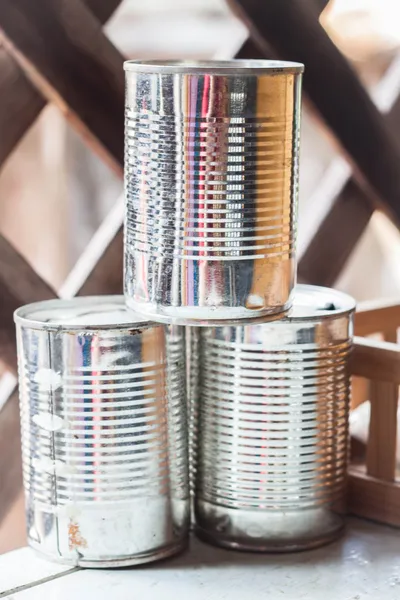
x=55 y=51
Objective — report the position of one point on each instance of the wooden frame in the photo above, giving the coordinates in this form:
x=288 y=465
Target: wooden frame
x=374 y=491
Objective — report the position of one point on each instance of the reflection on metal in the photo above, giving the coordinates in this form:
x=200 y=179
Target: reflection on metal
x=273 y=426
x=192 y=386
x=103 y=432
x=211 y=178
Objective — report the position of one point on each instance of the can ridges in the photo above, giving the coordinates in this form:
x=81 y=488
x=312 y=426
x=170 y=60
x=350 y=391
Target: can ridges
x=202 y=149
x=103 y=443
x=269 y=467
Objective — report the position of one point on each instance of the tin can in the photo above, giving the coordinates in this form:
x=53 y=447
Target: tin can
x=104 y=441
x=273 y=427
x=211 y=186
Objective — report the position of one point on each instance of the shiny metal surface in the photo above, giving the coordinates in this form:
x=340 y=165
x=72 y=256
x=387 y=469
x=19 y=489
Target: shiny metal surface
x=273 y=427
x=104 y=441
x=211 y=184
x=192 y=387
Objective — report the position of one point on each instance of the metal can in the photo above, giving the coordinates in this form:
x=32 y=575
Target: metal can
x=211 y=186
x=104 y=441
x=273 y=427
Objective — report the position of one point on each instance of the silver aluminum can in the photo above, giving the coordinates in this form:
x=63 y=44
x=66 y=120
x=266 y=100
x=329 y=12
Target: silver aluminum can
x=211 y=186
x=273 y=427
x=104 y=439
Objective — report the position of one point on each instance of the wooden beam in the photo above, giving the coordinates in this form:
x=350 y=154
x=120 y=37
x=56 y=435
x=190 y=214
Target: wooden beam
x=372 y=498
x=321 y=4
x=19 y=284
x=250 y=49
x=12 y=528
x=327 y=252
x=375 y=360
x=107 y=275
x=357 y=451
x=294 y=32
x=20 y=101
x=376 y=316
x=104 y=9
x=336 y=237
x=20 y=104
x=99 y=269
x=381 y=448
x=61 y=47
x=10 y=455
x=359 y=391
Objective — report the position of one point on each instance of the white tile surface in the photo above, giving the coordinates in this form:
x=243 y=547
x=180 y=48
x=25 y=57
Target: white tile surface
x=24 y=567
x=364 y=565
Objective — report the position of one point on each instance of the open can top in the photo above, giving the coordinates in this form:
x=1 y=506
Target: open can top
x=314 y=302
x=90 y=312
x=215 y=67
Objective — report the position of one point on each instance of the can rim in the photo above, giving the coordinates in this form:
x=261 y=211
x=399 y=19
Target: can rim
x=29 y=314
x=313 y=302
x=215 y=67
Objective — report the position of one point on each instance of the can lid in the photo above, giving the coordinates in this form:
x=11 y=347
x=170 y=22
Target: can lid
x=312 y=301
x=215 y=67
x=90 y=312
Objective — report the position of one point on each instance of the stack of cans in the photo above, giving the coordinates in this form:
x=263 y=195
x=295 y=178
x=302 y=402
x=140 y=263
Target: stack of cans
x=213 y=343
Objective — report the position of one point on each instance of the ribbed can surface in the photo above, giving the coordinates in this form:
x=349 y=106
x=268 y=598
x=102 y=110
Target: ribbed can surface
x=104 y=442
x=211 y=184
x=192 y=387
x=272 y=426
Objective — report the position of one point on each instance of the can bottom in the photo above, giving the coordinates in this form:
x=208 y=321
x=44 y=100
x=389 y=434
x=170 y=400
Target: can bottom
x=131 y=561
x=257 y=530
x=268 y=547
x=206 y=316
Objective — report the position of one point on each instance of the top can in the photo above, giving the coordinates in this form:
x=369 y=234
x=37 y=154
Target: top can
x=211 y=186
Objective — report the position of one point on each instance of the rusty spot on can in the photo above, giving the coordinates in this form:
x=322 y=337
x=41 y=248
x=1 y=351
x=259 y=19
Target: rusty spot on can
x=75 y=538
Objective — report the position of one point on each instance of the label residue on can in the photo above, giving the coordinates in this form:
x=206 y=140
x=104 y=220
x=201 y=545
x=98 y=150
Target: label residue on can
x=75 y=538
